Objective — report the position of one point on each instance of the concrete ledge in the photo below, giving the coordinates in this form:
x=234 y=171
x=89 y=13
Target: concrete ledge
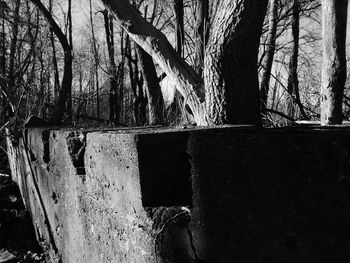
x=278 y=195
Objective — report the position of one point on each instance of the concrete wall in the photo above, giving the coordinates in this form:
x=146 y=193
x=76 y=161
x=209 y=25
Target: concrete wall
x=280 y=195
x=256 y=195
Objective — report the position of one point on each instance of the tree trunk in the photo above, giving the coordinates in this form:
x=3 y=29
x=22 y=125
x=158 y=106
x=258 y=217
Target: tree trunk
x=293 y=82
x=66 y=87
x=69 y=110
x=179 y=25
x=202 y=28
x=54 y=58
x=113 y=78
x=269 y=54
x=13 y=47
x=96 y=58
x=230 y=65
x=154 y=93
x=334 y=19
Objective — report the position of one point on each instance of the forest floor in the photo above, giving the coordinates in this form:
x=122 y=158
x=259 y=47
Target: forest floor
x=17 y=237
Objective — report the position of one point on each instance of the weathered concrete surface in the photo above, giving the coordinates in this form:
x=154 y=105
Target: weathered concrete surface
x=83 y=189
x=277 y=195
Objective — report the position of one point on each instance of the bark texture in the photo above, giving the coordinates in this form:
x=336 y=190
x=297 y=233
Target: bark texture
x=334 y=18
x=202 y=28
x=154 y=93
x=230 y=65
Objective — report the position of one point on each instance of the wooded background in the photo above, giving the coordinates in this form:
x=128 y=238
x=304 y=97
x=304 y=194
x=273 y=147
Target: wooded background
x=157 y=62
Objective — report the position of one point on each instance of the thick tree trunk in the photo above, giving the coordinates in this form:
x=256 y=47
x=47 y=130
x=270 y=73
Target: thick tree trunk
x=230 y=65
x=269 y=54
x=154 y=93
x=202 y=28
x=66 y=87
x=334 y=19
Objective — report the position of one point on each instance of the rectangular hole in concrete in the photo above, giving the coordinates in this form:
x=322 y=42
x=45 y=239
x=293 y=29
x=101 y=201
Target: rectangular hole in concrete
x=165 y=170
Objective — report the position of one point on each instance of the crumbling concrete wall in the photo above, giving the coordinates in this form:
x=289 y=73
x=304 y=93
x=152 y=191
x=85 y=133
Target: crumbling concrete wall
x=279 y=195
x=95 y=215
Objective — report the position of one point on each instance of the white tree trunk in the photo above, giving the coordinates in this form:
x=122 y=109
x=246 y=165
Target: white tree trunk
x=334 y=19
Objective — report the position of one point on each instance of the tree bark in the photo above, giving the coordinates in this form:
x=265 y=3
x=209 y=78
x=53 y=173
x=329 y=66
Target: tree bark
x=202 y=29
x=154 y=93
x=179 y=25
x=334 y=19
x=54 y=58
x=293 y=82
x=69 y=110
x=269 y=54
x=230 y=65
x=113 y=77
x=66 y=86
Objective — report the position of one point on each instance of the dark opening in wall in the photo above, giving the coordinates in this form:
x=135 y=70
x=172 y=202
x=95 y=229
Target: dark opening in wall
x=45 y=136
x=76 y=146
x=165 y=171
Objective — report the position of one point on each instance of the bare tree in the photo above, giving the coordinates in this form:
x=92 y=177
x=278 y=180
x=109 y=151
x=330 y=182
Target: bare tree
x=334 y=20
x=269 y=54
x=112 y=69
x=293 y=82
x=97 y=62
x=66 y=86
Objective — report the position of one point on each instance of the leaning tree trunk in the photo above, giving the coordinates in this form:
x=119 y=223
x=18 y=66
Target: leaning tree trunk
x=269 y=54
x=334 y=19
x=66 y=86
x=230 y=65
x=155 y=43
